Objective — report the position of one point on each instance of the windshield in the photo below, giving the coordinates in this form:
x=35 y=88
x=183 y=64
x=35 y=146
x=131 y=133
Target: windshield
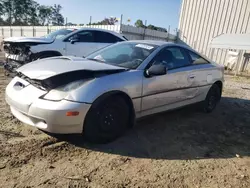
x=124 y=54
x=59 y=33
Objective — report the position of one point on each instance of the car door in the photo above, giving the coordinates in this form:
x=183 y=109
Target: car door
x=201 y=71
x=175 y=86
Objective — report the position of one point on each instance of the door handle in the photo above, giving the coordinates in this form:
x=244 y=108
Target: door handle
x=191 y=76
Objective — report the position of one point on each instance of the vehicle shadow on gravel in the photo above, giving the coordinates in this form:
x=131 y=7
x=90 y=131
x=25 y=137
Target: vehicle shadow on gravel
x=185 y=134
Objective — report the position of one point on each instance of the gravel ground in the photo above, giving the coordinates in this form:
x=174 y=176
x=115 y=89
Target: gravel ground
x=183 y=148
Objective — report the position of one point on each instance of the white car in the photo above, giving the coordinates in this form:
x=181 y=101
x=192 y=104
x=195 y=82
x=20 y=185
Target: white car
x=78 y=42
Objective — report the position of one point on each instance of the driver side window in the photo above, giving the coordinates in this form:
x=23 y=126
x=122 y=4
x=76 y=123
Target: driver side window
x=83 y=36
x=172 y=58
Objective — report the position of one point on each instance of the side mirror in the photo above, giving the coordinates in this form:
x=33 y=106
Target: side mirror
x=156 y=70
x=73 y=40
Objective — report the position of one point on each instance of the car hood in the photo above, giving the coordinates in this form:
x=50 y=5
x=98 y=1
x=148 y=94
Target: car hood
x=39 y=40
x=49 y=67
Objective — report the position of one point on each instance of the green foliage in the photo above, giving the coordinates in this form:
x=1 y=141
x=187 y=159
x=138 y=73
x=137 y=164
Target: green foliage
x=44 y=14
x=139 y=23
x=57 y=18
x=29 y=12
x=106 y=21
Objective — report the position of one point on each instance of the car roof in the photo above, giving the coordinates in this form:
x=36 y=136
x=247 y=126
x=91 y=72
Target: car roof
x=70 y=29
x=161 y=43
x=153 y=42
x=103 y=30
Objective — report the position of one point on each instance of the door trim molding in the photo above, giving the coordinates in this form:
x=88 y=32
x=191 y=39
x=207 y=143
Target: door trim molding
x=170 y=90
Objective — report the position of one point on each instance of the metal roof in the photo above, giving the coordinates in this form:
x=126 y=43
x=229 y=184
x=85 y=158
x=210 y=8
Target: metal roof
x=231 y=41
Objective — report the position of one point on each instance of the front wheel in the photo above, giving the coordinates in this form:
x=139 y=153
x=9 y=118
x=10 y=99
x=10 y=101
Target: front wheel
x=107 y=120
x=212 y=99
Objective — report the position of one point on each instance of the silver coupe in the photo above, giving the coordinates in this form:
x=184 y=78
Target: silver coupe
x=101 y=95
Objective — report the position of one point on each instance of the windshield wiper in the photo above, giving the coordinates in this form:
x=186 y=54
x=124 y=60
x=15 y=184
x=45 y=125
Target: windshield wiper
x=98 y=60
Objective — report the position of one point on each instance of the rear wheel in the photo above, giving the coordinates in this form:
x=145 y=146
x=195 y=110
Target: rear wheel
x=107 y=120
x=212 y=99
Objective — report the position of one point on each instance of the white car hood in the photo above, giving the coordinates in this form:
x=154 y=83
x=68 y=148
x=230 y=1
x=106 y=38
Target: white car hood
x=41 y=40
x=45 y=68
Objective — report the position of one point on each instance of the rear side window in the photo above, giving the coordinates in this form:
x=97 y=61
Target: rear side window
x=196 y=59
x=105 y=37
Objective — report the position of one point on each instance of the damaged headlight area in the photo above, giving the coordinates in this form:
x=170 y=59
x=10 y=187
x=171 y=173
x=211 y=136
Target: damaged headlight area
x=19 y=52
x=61 y=92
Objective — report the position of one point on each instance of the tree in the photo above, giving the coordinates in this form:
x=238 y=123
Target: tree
x=7 y=8
x=106 y=21
x=57 y=18
x=139 y=23
x=71 y=24
x=44 y=14
x=28 y=12
x=110 y=21
x=152 y=27
x=156 y=28
x=2 y=22
x=33 y=18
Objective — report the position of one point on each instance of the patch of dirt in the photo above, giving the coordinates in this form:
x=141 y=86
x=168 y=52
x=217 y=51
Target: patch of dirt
x=183 y=148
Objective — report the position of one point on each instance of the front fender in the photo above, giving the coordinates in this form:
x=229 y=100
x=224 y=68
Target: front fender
x=58 y=46
x=128 y=82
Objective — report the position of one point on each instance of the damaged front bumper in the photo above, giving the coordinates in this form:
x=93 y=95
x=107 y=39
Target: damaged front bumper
x=27 y=105
x=16 y=55
x=11 y=63
x=10 y=67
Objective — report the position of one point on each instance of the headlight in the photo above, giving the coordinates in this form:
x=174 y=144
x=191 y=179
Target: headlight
x=62 y=91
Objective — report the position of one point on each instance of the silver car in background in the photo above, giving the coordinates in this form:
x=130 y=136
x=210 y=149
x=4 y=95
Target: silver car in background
x=102 y=95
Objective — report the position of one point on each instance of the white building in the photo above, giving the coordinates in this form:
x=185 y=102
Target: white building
x=202 y=20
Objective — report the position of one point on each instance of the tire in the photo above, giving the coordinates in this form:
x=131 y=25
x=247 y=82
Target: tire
x=107 y=120
x=212 y=99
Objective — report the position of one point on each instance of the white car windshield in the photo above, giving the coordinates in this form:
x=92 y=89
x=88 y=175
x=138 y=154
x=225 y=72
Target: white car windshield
x=58 y=34
x=125 y=54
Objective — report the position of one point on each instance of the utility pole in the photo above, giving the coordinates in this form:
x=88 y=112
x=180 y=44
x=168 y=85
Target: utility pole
x=121 y=23
x=121 y=19
x=145 y=29
x=168 y=33
x=90 y=20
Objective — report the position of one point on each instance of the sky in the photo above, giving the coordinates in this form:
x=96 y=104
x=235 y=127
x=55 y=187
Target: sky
x=161 y=13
